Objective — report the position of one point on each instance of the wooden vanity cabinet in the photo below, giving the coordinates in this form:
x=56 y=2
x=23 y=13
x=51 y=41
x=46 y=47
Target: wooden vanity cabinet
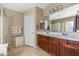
x=58 y=46
x=75 y=45
x=53 y=46
x=61 y=42
x=67 y=50
x=43 y=42
x=40 y=43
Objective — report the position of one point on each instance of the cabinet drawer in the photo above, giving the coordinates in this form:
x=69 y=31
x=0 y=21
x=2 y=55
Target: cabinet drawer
x=53 y=39
x=62 y=41
x=53 y=46
x=42 y=36
x=39 y=36
x=68 y=50
x=73 y=43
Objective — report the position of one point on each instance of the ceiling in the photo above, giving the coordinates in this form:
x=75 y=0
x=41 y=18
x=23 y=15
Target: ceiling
x=21 y=7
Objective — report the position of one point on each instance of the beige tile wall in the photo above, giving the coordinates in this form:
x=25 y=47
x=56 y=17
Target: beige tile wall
x=39 y=16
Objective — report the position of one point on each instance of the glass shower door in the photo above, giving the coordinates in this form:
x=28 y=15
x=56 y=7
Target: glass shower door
x=0 y=25
x=3 y=26
x=5 y=30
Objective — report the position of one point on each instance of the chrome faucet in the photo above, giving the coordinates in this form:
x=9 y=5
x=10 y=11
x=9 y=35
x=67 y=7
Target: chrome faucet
x=64 y=34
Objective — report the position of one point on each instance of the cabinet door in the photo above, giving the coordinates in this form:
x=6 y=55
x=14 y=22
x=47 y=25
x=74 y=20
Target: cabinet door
x=73 y=43
x=19 y=41
x=53 y=46
x=45 y=42
x=40 y=41
x=67 y=50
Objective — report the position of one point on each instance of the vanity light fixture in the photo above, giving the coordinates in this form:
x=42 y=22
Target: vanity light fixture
x=60 y=7
x=55 y=9
x=51 y=11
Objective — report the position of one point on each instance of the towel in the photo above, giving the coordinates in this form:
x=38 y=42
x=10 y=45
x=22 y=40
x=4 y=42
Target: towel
x=76 y=24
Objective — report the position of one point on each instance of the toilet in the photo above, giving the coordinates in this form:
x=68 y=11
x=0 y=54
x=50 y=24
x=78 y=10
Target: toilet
x=3 y=49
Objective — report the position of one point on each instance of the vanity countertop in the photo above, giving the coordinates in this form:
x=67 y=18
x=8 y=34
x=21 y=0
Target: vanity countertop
x=58 y=36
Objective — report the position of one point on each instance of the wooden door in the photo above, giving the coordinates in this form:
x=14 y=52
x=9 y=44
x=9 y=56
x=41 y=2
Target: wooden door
x=45 y=43
x=39 y=41
x=67 y=50
x=53 y=46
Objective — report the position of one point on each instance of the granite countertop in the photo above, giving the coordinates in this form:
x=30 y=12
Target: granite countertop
x=59 y=36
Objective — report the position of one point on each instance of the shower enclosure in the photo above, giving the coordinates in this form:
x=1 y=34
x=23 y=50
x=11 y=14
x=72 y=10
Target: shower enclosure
x=3 y=32
x=3 y=26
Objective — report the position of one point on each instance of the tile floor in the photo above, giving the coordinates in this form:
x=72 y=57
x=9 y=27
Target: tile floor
x=27 y=51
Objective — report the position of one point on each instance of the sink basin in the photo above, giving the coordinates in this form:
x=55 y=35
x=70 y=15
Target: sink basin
x=70 y=37
x=55 y=33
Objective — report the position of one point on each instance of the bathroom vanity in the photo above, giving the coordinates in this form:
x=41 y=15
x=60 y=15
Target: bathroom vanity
x=58 y=37
x=58 y=45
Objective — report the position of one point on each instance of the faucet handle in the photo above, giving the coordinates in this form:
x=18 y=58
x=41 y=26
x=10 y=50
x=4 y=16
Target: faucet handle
x=64 y=34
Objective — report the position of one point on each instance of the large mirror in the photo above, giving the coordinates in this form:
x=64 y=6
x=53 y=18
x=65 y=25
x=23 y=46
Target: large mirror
x=66 y=20
x=61 y=25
